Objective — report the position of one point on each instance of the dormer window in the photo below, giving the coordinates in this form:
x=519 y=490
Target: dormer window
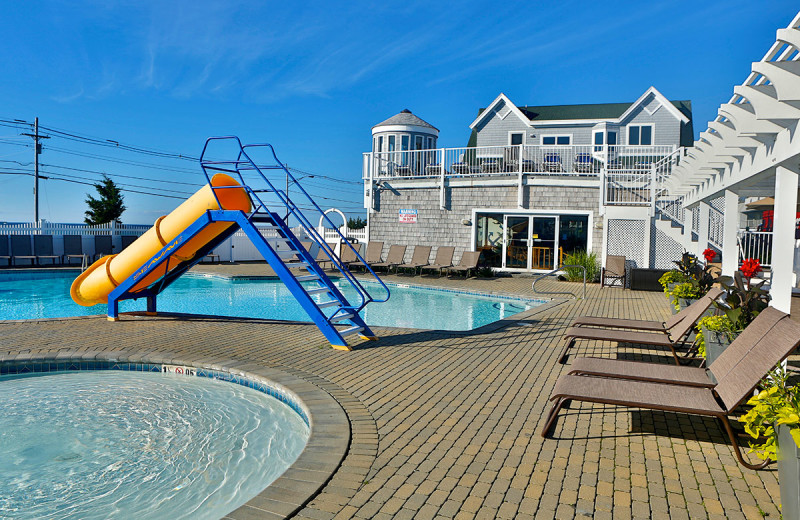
x=640 y=135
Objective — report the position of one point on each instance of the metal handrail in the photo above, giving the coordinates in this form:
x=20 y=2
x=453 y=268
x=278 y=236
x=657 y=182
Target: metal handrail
x=244 y=162
x=554 y=271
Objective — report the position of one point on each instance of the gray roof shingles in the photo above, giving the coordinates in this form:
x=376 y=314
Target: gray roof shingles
x=405 y=118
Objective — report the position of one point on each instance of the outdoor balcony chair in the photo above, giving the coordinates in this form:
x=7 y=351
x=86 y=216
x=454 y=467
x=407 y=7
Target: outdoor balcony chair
x=767 y=341
x=374 y=250
x=672 y=338
x=420 y=258
x=102 y=246
x=5 y=254
x=73 y=248
x=645 y=325
x=433 y=169
x=43 y=249
x=491 y=165
x=443 y=260
x=460 y=168
x=584 y=163
x=552 y=162
x=468 y=263
x=614 y=271
x=21 y=249
x=394 y=258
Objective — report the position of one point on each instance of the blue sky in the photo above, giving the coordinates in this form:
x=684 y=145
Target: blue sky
x=313 y=78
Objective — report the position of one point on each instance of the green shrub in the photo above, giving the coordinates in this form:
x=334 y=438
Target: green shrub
x=587 y=260
x=686 y=291
x=484 y=272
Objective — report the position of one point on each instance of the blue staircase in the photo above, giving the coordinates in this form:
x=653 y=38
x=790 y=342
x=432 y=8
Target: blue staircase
x=335 y=316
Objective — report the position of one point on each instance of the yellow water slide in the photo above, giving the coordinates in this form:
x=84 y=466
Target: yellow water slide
x=95 y=284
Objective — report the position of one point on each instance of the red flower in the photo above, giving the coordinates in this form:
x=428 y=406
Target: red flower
x=709 y=254
x=750 y=267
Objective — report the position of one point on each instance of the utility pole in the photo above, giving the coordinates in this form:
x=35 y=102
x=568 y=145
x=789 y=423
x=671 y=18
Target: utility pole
x=37 y=149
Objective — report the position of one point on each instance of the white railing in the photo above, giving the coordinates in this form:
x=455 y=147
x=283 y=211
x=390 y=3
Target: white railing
x=755 y=244
x=716 y=223
x=581 y=160
x=44 y=227
x=672 y=208
x=636 y=174
x=330 y=235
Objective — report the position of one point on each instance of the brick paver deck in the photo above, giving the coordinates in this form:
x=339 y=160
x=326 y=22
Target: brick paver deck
x=446 y=425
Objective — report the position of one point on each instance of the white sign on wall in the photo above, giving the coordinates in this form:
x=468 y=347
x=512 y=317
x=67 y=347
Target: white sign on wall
x=408 y=216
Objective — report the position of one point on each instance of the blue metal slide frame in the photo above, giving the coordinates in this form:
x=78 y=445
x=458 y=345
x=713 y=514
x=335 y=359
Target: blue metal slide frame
x=344 y=311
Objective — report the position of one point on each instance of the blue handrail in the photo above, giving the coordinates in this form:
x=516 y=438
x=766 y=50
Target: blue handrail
x=244 y=162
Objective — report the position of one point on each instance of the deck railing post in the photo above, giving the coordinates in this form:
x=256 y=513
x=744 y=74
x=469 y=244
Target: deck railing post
x=653 y=190
x=441 y=181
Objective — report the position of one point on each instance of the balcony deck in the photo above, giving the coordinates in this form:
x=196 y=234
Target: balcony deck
x=446 y=425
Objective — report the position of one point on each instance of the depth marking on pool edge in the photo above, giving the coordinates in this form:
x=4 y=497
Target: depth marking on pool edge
x=179 y=370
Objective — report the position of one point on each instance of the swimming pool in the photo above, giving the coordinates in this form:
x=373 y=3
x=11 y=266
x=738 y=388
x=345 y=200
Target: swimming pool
x=127 y=444
x=45 y=294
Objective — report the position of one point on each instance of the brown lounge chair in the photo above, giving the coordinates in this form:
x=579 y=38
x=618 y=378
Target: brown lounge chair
x=443 y=260
x=21 y=248
x=469 y=262
x=613 y=271
x=73 y=248
x=420 y=258
x=668 y=338
x=349 y=256
x=374 y=250
x=769 y=339
x=43 y=249
x=395 y=257
x=654 y=326
x=5 y=254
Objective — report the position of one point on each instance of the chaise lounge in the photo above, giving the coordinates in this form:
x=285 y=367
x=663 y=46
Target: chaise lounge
x=469 y=262
x=394 y=258
x=670 y=338
x=419 y=259
x=768 y=340
x=443 y=260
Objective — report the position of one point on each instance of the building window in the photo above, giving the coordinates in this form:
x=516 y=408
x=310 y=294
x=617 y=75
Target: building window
x=612 y=138
x=418 y=142
x=391 y=143
x=380 y=144
x=515 y=138
x=598 y=140
x=640 y=135
x=558 y=140
x=404 y=140
x=430 y=143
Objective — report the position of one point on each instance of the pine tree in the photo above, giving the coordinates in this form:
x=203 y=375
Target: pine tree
x=109 y=207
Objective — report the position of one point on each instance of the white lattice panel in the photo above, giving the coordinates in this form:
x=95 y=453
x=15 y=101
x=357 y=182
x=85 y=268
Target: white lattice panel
x=626 y=238
x=663 y=250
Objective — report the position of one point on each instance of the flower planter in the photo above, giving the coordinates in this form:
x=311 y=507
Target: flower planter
x=685 y=302
x=716 y=343
x=788 y=473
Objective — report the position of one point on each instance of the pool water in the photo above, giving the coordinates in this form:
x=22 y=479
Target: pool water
x=32 y=295
x=110 y=444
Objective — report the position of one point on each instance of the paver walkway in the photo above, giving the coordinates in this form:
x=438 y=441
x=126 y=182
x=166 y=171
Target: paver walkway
x=446 y=425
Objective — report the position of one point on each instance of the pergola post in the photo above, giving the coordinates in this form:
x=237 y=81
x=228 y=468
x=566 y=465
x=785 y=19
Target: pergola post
x=730 y=228
x=783 y=229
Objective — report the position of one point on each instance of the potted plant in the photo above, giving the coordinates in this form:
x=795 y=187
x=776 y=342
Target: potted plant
x=716 y=333
x=686 y=293
x=670 y=279
x=698 y=277
x=774 y=423
x=743 y=301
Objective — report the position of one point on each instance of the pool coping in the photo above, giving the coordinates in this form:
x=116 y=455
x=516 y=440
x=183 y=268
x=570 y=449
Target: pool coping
x=328 y=442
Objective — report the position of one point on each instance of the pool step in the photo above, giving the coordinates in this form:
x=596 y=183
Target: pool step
x=295 y=265
x=307 y=277
x=331 y=303
x=319 y=290
x=351 y=330
x=341 y=317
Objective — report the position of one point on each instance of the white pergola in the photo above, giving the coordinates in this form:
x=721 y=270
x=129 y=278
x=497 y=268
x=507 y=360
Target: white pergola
x=752 y=148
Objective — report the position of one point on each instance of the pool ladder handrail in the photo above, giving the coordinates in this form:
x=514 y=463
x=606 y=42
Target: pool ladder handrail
x=554 y=271
x=245 y=163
